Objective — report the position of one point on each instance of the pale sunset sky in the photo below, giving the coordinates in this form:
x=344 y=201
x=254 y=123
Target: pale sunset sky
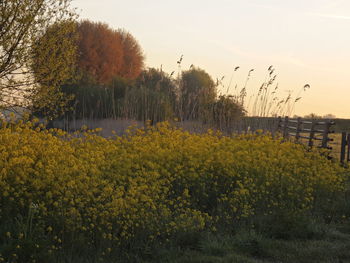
x=307 y=42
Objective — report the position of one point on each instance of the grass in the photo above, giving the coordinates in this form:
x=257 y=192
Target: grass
x=332 y=244
x=335 y=144
x=250 y=247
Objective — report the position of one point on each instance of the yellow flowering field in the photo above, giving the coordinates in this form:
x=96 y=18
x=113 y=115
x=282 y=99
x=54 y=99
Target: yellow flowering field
x=62 y=193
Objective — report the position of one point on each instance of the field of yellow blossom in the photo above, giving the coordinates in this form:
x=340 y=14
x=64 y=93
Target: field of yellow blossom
x=72 y=195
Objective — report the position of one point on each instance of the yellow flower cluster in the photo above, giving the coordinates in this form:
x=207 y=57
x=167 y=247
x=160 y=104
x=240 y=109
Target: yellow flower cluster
x=148 y=185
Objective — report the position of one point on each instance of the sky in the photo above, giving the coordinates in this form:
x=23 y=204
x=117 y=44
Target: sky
x=306 y=42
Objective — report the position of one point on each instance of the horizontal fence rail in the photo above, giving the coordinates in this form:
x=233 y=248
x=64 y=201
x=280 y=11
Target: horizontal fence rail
x=309 y=130
x=312 y=131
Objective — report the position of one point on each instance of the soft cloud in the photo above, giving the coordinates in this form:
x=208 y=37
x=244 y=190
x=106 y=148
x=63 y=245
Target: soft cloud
x=332 y=16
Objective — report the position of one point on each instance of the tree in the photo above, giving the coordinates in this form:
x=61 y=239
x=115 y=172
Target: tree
x=105 y=53
x=22 y=23
x=329 y=116
x=104 y=63
x=227 y=110
x=108 y=63
x=154 y=96
x=132 y=56
x=197 y=91
x=312 y=116
x=315 y=116
x=54 y=64
x=100 y=51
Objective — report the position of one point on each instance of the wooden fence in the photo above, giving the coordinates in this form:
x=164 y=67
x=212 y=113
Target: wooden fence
x=307 y=131
x=345 y=147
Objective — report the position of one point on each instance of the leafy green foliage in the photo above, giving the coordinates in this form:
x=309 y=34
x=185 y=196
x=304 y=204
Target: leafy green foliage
x=54 y=63
x=24 y=24
x=227 y=110
x=197 y=91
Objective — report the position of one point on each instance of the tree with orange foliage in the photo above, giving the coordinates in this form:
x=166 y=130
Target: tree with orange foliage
x=105 y=57
x=132 y=56
x=105 y=53
x=100 y=51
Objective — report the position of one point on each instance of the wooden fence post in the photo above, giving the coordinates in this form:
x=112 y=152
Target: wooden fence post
x=279 y=125
x=343 y=146
x=285 y=128
x=325 y=133
x=297 y=133
x=348 y=148
x=312 y=133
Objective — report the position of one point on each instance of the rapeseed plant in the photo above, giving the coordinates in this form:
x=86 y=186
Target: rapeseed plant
x=61 y=191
